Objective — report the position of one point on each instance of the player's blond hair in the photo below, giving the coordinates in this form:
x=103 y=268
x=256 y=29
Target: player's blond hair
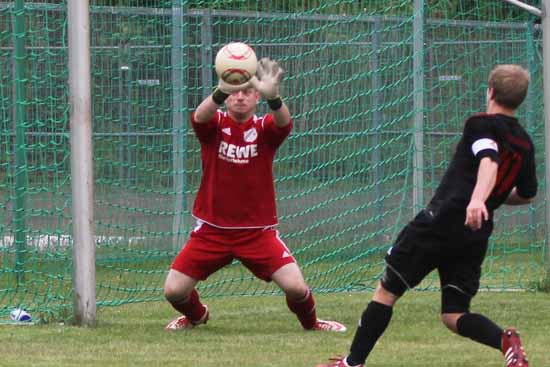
x=509 y=83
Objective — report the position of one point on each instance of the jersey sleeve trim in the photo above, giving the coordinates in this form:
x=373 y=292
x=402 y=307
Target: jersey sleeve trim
x=490 y=153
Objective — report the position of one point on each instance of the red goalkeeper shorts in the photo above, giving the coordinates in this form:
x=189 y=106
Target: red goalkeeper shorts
x=210 y=249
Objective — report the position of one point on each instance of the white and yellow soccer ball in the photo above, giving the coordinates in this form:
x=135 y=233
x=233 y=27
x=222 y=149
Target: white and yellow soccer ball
x=236 y=63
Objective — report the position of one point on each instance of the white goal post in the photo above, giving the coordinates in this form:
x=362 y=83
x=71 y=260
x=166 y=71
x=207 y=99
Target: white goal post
x=84 y=281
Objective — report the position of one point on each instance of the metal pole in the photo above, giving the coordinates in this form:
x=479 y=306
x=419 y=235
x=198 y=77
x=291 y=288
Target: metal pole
x=179 y=118
x=78 y=19
x=530 y=105
x=206 y=53
x=377 y=105
x=20 y=144
x=130 y=176
x=529 y=8
x=418 y=100
x=546 y=80
x=123 y=100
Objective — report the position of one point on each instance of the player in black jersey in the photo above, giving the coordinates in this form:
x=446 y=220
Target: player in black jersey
x=493 y=165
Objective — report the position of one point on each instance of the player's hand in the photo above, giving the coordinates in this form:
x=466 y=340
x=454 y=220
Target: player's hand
x=231 y=88
x=269 y=76
x=476 y=213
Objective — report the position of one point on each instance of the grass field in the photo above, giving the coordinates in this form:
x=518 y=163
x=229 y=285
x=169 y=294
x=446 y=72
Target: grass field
x=259 y=331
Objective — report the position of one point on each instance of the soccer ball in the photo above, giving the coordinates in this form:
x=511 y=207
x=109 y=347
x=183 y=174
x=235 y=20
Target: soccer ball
x=236 y=63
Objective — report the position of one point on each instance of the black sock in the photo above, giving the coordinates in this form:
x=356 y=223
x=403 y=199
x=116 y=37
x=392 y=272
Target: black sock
x=374 y=321
x=479 y=328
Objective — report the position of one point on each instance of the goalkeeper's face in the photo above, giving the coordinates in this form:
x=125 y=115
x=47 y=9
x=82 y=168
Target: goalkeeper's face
x=242 y=104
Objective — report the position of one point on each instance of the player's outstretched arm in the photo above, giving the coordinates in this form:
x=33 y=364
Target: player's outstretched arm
x=269 y=76
x=208 y=107
x=476 y=212
x=515 y=199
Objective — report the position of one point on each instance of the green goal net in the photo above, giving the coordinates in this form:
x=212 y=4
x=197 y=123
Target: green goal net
x=378 y=90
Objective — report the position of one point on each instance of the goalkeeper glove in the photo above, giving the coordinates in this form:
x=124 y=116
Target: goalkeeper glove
x=269 y=76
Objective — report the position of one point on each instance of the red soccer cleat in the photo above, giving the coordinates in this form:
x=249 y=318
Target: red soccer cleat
x=182 y=322
x=513 y=351
x=338 y=362
x=324 y=325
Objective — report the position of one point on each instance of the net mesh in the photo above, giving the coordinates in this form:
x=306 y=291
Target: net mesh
x=345 y=178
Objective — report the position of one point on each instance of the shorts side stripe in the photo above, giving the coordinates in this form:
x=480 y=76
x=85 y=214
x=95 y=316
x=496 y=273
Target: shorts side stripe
x=198 y=225
x=281 y=241
x=458 y=289
x=399 y=275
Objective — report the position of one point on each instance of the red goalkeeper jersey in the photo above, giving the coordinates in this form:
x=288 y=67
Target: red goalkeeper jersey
x=237 y=188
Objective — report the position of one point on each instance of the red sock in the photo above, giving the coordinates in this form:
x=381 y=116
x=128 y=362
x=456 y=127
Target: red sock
x=192 y=307
x=304 y=309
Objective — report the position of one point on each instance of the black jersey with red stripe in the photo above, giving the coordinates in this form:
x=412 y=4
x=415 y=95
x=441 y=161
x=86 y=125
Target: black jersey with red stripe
x=505 y=141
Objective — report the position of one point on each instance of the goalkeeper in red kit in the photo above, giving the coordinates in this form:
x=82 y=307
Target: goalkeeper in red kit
x=235 y=205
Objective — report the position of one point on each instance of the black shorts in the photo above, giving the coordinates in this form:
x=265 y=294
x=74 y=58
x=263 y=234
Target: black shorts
x=425 y=245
